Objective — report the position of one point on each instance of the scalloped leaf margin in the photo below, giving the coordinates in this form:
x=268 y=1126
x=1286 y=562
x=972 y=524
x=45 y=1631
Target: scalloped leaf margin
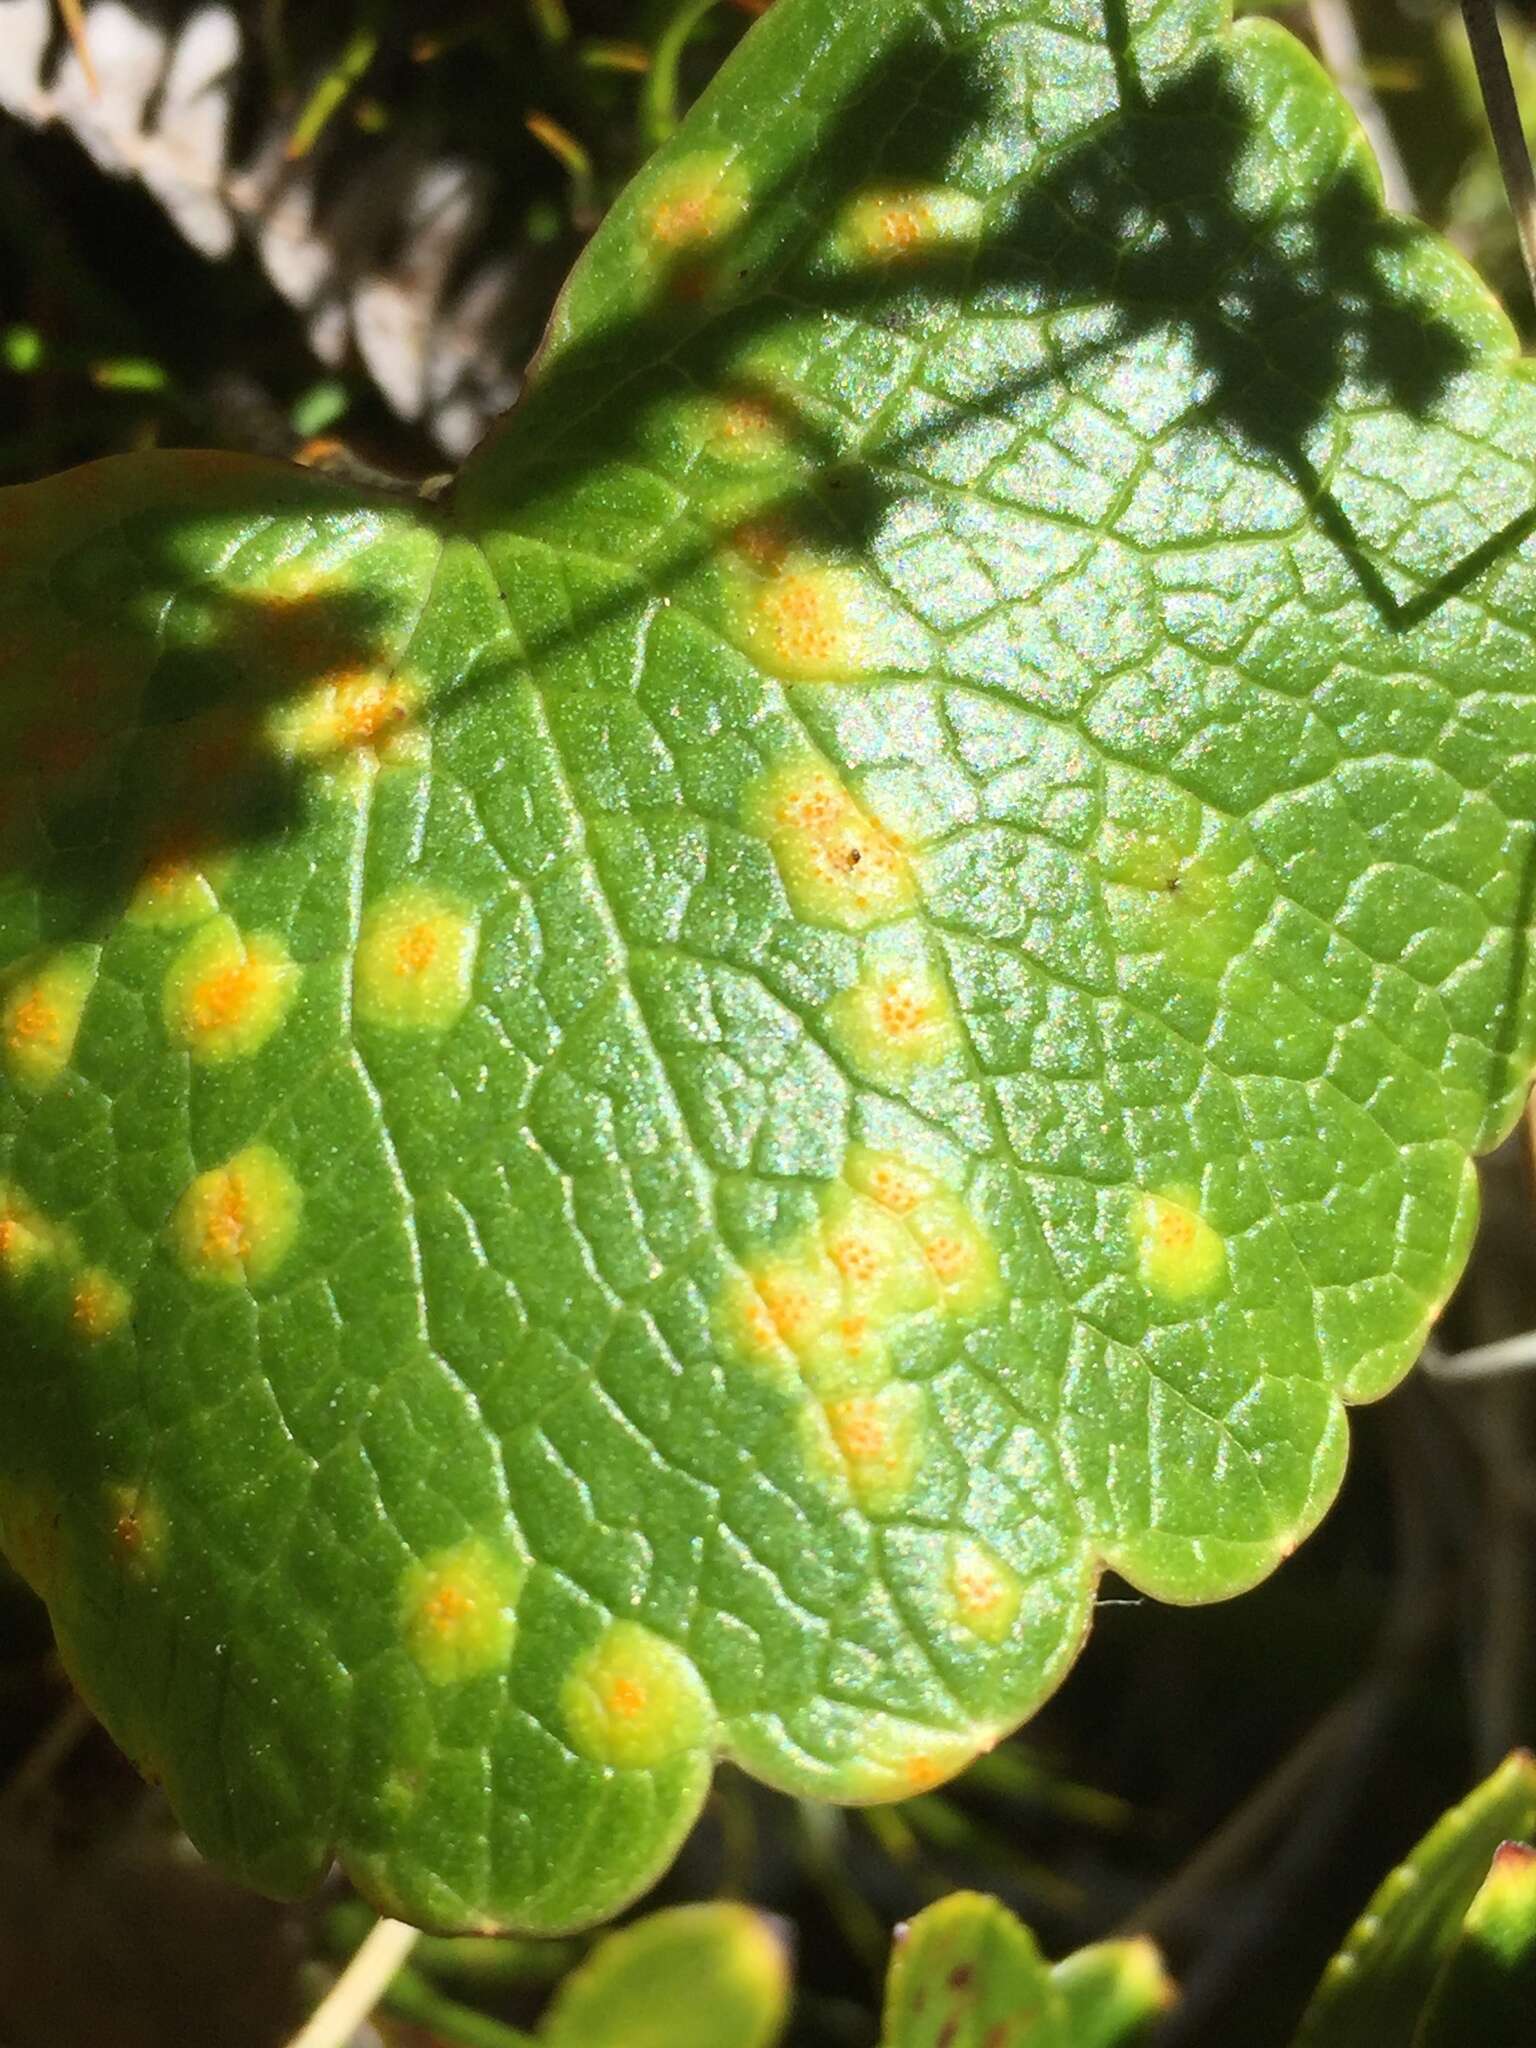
x=647 y=1112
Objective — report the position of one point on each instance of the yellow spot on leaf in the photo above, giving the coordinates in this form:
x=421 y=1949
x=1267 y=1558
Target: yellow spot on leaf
x=636 y=1701
x=880 y=1437
x=28 y=1239
x=1178 y=1254
x=959 y=1253
x=226 y=995
x=459 y=1610
x=984 y=1594
x=356 y=709
x=883 y=1271
x=898 y=1758
x=800 y=1294
x=838 y=864
x=901 y=223
x=415 y=961
x=851 y=1356
x=237 y=1223
x=808 y=623
x=693 y=203
x=172 y=893
x=99 y=1305
x=748 y=1334
x=136 y=1529
x=747 y=428
x=825 y=1311
x=896 y=1018
x=897 y=1184
x=41 y=1017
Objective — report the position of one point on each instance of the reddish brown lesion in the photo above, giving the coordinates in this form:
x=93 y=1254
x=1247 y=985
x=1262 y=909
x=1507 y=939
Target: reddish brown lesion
x=765 y=543
x=748 y=417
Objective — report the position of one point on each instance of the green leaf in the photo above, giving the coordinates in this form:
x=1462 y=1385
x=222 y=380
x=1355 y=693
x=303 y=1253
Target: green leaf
x=712 y=1976
x=1376 y=1986
x=966 y=1974
x=1487 y=1991
x=1113 y=1992
x=649 y=1110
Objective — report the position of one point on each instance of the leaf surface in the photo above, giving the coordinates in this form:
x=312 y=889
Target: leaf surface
x=1376 y=1986
x=648 y=1111
x=1114 y=1992
x=966 y=1973
x=707 y=1976
x=1486 y=1991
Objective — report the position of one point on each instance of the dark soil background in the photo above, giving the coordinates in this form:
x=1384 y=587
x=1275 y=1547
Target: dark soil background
x=1234 y=1779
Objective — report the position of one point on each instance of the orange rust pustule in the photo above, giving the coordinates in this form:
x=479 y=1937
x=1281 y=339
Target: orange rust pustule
x=854 y=1258
x=804 y=621
x=861 y=1432
x=950 y=1257
x=417 y=950
x=447 y=1606
x=37 y=1022
x=364 y=711
x=903 y=1009
x=223 y=999
x=692 y=283
x=627 y=1698
x=226 y=1233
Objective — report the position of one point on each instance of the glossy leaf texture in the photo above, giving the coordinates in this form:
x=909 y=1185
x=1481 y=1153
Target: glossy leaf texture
x=966 y=1973
x=708 y=1976
x=1487 y=1989
x=649 y=1110
x=1376 y=1987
